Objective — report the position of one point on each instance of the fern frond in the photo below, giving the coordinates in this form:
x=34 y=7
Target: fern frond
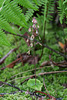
x=10 y=16
x=65 y=6
x=3 y=39
x=26 y=3
x=5 y=25
x=35 y=1
x=29 y=14
x=61 y=10
x=48 y=10
x=1 y=2
x=17 y=11
x=40 y=2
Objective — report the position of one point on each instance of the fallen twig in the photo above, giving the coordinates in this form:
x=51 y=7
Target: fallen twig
x=31 y=93
x=47 y=90
x=40 y=74
x=11 y=85
x=43 y=93
x=26 y=79
x=3 y=59
x=44 y=45
x=37 y=95
x=11 y=65
x=60 y=64
x=2 y=94
x=30 y=71
x=26 y=59
x=45 y=86
x=26 y=92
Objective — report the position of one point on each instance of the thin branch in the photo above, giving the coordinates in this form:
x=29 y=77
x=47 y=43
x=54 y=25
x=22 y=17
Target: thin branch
x=53 y=72
x=26 y=92
x=47 y=90
x=11 y=85
x=45 y=86
x=31 y=93
x=30 y=71
x=3 y=59
x=2 y=94
x=44 y=45
x=43 y=93
x=40 y=74
x=26 y=79
x=60 y=64
x=11 y=65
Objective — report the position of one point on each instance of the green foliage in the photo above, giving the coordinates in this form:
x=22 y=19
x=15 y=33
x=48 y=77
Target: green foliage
x=35 y=84
x=17 y=96
x=1 y=3
x=12 y=14
x=3 y=38
x=5 y=25
x=26 y=3
x=62 y=10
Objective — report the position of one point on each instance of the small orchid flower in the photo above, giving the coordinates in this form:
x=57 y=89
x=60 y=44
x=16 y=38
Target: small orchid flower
x=29 y=29
x=34 y=20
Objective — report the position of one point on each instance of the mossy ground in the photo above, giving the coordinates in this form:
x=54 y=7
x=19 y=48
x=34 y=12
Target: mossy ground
x=54 y=82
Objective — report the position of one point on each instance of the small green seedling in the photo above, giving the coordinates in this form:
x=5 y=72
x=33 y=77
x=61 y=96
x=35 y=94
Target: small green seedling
x=37 y=86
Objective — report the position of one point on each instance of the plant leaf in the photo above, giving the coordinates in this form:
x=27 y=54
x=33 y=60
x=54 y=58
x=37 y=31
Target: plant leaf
x=37 y=86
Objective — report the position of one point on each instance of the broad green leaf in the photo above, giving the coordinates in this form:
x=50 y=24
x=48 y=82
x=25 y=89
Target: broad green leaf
x=37 y=86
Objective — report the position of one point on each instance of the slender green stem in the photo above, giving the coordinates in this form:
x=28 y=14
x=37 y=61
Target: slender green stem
x=45 y=19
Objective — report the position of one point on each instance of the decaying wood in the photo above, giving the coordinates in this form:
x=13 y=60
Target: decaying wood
x=26 y=59
x=59 y=64
x=45 y=63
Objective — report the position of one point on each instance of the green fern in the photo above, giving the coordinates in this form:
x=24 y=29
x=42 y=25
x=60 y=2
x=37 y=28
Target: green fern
x=62 y=9
x=11 y=12
x=26 y=3
x=48 y=8
x=17 y=11
x=1 y=2
x=3 y=39
x=29 y=14
x=35 y=1
x=65 y=6
x=8 y=13
x=5 y=25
